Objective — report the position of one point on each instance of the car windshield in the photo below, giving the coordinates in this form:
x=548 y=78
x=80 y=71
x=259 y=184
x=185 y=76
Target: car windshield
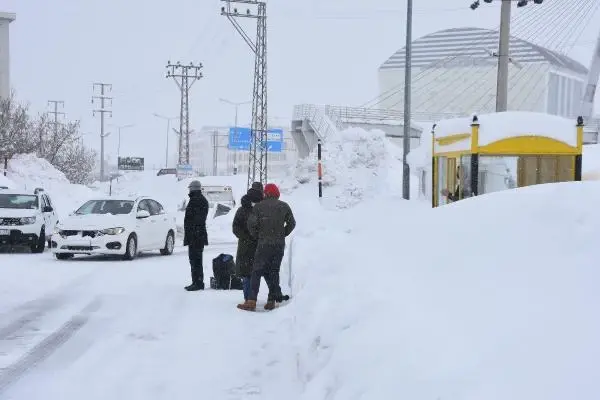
x=217 y=196
x=18 y=201
x=115 y=207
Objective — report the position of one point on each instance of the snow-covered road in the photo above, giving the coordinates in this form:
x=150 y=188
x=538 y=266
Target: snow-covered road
x=97 y=328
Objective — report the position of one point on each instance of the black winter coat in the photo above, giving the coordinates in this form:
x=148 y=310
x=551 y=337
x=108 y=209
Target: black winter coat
x=246 y=248
x=194 y=223
x=271 y=221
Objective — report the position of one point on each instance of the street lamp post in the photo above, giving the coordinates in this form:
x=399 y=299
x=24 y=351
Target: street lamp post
x=236 y=105
x=168 y=130
x=119 y=140
x=407 y=102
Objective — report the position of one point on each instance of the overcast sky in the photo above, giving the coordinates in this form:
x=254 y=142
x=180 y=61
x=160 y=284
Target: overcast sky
x=319 y=51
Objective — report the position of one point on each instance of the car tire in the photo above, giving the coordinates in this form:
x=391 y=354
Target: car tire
x=130 y=248
x=63 y=256
x=169 y=244
x=40 y=245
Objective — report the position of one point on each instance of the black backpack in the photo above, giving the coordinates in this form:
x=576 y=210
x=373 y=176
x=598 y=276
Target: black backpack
x=224 y=273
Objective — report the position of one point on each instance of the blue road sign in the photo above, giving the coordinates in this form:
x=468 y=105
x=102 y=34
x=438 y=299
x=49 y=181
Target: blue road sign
x=240 y=139
x=185 y=171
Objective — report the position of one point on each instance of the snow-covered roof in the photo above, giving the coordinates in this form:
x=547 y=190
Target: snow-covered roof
x=475 y=43
x=497 y=126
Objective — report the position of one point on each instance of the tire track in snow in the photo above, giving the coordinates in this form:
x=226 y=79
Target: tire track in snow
x=33 y=310
x=44 y=349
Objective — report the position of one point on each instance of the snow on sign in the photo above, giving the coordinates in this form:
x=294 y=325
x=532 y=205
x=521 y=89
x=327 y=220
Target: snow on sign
x=131 y=163
x=241 y=139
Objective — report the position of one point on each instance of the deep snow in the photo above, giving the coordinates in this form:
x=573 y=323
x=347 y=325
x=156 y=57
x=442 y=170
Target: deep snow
x=492 y=297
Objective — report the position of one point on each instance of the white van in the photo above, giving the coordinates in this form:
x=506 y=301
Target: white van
x=220 y=200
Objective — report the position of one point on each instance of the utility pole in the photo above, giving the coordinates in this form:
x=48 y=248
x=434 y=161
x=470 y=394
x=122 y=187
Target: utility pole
x=407 y=101
x=102 y=110
x=168 y=131
x=503 y=57
x=258 y=160
x=55 y=122
x=184 y=76
x=504 y=49
x=236 y=105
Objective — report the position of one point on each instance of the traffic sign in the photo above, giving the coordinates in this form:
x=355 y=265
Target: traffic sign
x=241 y=139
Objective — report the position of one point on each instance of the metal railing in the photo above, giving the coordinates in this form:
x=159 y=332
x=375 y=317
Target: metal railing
x=322 y=124
x=339 y=114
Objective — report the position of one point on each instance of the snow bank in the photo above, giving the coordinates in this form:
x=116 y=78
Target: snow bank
x=499 y=307
x=357 y=164
x=4 y=181
x=590 y=168
x=28 y=172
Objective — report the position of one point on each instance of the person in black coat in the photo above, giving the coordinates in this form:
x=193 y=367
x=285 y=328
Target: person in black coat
x=246 y=248
x=195 y=235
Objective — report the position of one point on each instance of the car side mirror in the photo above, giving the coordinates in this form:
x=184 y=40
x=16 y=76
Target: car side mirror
x=48 y=209
x=142 y=214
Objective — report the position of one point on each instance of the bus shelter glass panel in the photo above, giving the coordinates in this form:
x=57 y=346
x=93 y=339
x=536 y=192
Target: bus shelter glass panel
x=497 y=173
x=442 y=179
x=463 y=176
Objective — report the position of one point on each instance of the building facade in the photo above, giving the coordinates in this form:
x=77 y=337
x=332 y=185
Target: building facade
x=210 y=154
x=5 y=20
x=455 y=70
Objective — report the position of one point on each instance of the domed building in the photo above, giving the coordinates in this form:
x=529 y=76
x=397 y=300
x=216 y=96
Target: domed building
x=454 y=71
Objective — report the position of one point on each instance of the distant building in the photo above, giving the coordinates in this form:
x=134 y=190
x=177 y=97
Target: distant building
x=454 y=71
x=210 y=153
x=5 y=20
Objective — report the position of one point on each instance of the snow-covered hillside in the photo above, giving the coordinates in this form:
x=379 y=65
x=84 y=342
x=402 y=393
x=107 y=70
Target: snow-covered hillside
x=27 y=172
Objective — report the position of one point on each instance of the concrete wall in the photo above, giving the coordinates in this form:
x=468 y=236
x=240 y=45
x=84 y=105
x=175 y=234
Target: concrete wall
x=5 y=20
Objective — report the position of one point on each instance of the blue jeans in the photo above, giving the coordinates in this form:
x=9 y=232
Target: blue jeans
x=246 y=286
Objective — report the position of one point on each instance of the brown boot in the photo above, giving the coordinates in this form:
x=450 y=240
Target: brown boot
x=248 y=305
x=270 y=305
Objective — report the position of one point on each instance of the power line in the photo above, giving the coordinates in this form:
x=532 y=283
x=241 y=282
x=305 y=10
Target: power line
x=257 y=159
x=184 y=76
x=102 y=110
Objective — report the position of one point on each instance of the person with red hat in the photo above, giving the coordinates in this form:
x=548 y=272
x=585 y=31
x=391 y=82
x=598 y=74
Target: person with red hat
x=270 y=222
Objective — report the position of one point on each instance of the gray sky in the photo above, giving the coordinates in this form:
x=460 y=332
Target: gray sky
x=320 y=51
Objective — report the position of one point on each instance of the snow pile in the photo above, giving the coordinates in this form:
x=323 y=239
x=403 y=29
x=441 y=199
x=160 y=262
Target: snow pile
x=4 y=181
x=28 y=172
x=499 y=306
x=590 y=168
x=357 y=164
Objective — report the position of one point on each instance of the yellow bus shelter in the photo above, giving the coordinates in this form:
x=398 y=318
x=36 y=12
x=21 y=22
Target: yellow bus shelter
x=499 y=151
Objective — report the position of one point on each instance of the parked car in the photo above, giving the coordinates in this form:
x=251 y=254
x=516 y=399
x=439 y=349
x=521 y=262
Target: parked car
x=26 y=219
x=220 y=200
x=167 y=171
x=122 y=226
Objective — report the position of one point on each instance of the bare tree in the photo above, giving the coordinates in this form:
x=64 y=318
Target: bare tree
x=60 y=138
x=14 y=127
x=77 y=162
x=60 y=144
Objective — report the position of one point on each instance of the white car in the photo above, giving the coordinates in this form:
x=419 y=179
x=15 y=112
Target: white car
x=118 y=226
x=26 y=218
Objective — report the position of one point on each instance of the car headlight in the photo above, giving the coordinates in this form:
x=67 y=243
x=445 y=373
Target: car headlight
x=27 y=220
x=112 y=231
